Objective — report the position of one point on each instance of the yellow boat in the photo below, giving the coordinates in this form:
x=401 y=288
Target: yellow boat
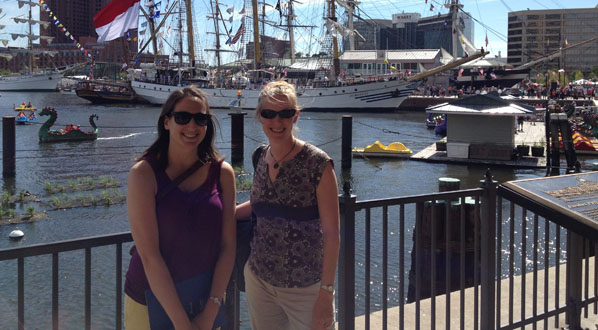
x=377 y=149
x=24 y=107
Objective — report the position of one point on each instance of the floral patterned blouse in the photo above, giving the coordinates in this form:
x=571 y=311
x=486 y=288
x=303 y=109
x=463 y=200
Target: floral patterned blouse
x=287 y=246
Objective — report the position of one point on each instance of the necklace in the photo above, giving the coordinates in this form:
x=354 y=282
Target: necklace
x=276 y=165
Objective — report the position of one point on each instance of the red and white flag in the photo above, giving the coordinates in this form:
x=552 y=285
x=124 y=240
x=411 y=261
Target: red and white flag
x=114 y=20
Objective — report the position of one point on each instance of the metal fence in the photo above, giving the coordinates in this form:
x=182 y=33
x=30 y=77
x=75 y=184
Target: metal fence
x=465 y=259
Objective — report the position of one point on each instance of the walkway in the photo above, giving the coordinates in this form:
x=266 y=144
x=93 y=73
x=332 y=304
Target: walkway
x=393 y=313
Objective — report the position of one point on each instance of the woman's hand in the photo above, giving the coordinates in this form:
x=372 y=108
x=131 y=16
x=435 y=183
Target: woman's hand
x=323 y=315
x=205 y=319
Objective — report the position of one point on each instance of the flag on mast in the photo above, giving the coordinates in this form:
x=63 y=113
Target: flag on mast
x=114 y=20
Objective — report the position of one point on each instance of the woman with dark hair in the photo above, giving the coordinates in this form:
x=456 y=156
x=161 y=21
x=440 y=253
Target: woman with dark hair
x=185 y=231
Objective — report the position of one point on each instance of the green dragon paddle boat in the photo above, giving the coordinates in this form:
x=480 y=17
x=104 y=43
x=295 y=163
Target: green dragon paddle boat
x=69 y=133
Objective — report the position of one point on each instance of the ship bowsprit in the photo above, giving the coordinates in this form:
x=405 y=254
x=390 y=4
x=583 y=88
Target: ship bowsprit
x=386 y=95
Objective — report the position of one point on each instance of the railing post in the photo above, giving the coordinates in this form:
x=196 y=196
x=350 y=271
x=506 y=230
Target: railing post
x=346 y=261
x=488 y=253
x=574 y=279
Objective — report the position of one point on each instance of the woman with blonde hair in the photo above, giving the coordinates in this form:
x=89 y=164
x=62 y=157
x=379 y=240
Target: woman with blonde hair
x=289 y=277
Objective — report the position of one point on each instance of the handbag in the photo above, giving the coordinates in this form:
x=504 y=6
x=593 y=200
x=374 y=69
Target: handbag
x=193 y=293
x=245 y=229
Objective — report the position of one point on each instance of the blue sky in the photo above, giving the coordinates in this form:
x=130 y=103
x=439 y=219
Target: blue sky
x=493 y=13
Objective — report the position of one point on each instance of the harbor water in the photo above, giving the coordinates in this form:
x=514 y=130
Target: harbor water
x=124 y=132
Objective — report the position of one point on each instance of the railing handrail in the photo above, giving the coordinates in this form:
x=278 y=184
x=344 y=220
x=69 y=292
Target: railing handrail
x=359 y=205
x=63 y=246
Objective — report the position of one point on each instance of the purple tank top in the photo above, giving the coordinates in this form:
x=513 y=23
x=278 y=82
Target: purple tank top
x=189 y=229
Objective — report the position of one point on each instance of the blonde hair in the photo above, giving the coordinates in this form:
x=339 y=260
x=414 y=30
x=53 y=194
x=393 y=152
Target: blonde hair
x=277 y=92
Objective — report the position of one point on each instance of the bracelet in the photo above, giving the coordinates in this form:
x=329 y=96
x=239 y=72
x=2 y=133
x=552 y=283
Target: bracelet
x=329 y=288
x=216 y=300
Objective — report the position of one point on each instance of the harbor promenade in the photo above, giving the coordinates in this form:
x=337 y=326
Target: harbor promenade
x=552 y=323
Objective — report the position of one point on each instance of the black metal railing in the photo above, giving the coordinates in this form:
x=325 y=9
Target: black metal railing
x=460 y=259
x=54 y=249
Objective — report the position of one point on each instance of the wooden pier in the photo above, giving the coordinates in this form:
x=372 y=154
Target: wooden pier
x=533 y=133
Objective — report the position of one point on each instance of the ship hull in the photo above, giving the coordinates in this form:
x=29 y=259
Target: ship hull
x=33 y=82
x=381 y=96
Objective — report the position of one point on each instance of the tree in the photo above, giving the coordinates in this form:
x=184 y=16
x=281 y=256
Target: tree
x=298 y=54
x=575 y=75
x=595 y=71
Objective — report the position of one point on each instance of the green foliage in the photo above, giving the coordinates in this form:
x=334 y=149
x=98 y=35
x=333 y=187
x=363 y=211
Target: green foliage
x=30 y=211
x=47 y=186
x=5 y=197
x=575 y=75
x=21 y=195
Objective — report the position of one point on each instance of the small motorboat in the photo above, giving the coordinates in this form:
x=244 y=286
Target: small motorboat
x=24 y=107
x=16 y=234
x=377 y=149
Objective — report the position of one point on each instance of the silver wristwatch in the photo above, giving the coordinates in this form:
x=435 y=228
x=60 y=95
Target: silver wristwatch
x=329 y=288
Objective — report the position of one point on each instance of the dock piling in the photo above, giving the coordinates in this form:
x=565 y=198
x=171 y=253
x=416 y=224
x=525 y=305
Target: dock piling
x=347 y=139
x=8 y=147
x=237 y=130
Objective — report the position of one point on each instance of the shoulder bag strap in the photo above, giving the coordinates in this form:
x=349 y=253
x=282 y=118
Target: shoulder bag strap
x=255 y=158
x=174 y=183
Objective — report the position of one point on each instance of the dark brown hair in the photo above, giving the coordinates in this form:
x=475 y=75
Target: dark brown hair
x=206 y=151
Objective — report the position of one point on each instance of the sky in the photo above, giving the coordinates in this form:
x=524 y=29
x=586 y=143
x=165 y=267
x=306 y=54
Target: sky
x=493 y=14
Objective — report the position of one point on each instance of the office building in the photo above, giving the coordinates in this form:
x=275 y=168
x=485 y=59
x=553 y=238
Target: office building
x=533 y=34
x=411 y=31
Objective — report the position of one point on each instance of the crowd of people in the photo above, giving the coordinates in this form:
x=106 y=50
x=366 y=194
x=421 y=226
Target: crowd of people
x=527 y=89
x=183 y=214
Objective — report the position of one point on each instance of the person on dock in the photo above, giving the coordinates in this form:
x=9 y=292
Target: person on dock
x=180 y=201
x=289 y=277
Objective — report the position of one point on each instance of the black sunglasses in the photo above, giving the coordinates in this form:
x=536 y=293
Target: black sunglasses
x=285 y=114
x=184 y=117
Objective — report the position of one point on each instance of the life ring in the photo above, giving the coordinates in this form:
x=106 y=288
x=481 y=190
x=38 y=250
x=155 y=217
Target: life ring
x=372 y=78
x=351 y=80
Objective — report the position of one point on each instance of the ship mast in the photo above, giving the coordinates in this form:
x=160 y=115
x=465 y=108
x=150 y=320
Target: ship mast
x=290 y=18
x=454 y=9
x=180 y=41
x=335 y=60
x=190 y=39
x=30 y=42
x=256 y=40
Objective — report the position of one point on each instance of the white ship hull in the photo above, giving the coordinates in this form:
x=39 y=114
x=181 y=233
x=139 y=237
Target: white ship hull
x=374 y=96
x=30 y=82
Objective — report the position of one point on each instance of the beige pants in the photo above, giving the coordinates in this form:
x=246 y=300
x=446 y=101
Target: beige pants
x=277 y=308
x=136 y=316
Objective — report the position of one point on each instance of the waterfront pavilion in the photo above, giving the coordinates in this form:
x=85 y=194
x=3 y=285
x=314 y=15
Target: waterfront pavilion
x=481 y=126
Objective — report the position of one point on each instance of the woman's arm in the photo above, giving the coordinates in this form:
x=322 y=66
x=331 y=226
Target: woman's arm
x=141 y=209
x=327 y=195
x=226 y=259
x=243 y=211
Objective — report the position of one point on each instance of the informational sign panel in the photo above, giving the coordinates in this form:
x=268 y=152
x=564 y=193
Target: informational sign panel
x=574 y=195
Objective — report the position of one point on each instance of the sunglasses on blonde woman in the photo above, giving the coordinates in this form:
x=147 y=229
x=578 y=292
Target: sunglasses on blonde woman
x=184 y=117
x=271 y=114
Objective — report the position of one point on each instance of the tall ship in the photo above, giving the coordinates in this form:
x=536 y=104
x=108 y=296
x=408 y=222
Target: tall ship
x=34 y=79
x=318 y=80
